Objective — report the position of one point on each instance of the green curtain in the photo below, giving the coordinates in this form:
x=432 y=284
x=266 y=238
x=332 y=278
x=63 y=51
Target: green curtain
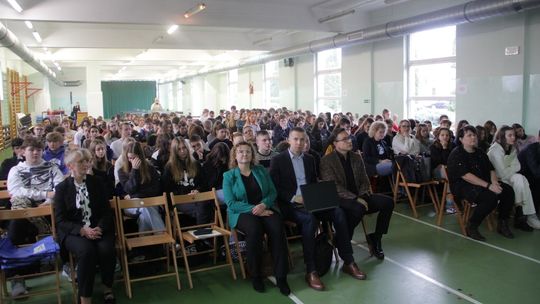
x=127 y=96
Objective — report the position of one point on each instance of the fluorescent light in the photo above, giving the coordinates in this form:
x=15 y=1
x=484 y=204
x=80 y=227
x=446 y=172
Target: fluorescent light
x=58 y=68
x=29 y=24
x=37 y=36
x=336 y=16
x=172 y=29
x=16 y=6
x=53 y=73
x=194 y=10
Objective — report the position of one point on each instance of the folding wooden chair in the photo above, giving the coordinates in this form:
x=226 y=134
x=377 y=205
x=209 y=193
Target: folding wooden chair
x=188 y=233
x=4 y=195
x=27 y=213
x=130 y=241
x=429 y=185
x=463 y=207
x=3 y=184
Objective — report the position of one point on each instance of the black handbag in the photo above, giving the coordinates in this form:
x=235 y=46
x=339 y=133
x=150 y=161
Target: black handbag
x=324 y=249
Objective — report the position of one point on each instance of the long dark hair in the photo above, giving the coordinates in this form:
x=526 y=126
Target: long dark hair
x=500 y=137
x=219 y=155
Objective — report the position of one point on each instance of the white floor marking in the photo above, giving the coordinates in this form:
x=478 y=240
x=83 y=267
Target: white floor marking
x=461 y=235
x=292 y=296
x=423 y=276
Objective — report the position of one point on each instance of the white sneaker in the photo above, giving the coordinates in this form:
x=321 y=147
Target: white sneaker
x=533 y=221
x=18 y=288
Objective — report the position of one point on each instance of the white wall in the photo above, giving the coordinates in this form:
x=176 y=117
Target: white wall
x=60 y=96
x=305 y=82
x=356 y=78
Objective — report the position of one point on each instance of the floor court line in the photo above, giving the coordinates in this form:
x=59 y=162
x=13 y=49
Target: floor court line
x=461 y=235
x=424 y=277
x=292 y=296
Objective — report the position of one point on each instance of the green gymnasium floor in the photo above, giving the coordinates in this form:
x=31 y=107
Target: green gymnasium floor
x=424 y=264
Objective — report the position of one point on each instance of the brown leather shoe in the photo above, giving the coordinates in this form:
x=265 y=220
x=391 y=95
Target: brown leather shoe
x=313 y=280
x=353 y=271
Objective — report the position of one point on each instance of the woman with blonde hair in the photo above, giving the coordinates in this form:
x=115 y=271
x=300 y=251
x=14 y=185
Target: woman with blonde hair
x=377 y=155
x=182 y=175
x=85 y=225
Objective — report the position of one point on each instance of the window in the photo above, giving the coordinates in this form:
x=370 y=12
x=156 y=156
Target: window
x=179 y=96
x=432 y=74
x=271 y=84
x=232 y=87
x=328 y=81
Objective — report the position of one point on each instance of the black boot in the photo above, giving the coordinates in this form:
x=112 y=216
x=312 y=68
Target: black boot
x=473 y=233
x=504 y=230
x=258 y=284
x=283 y=286
x=375 y=246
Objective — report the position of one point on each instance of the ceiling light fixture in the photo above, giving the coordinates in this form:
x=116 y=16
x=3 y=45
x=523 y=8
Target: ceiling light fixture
x=194 y=10
x=29 y=25
x=336 y=16
x=37 y=36
x=172 y=29
x=16 y=6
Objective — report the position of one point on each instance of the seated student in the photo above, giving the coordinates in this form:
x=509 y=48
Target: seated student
x=503 y=156
x=39 y=132
x=222 y=135
x=529 y=159
x=250 y=195
x=197 y=145
x=54 y=152
x=289 y=170
x=30 y=184
x=377 y=155
x=439 y=151
x=347 y=169
x=483 y=144
x=161 y=155
x=18 y=156
x=248 y=134
x=403 y=142
x=473 y=177
x=264 y=149
x=112 y=133
x=319 y=135
x=422 y=135
x=491 y=129
x=281 y=131
x=316 y=156
x=85 y=225
x=216 y=164
x=139 y=180
x=237 y=137
x=363 y=132
x=116 y=146
x=389 y=132
x=182 y=175
x=522 y=139
x=100 y=164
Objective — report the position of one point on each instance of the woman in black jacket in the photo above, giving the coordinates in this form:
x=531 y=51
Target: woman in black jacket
x=377 y=155
x=85 y=225
x=101 y=166
x=439 y=151
x=319 y=135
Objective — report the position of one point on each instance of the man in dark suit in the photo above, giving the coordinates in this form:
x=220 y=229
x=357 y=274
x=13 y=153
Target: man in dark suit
x=347 y=169
x=289 y=170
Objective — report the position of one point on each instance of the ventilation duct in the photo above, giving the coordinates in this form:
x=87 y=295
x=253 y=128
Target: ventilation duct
x=464 y=13
x=9 y=40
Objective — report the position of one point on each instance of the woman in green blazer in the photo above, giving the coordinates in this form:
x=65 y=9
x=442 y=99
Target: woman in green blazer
x=250 y=195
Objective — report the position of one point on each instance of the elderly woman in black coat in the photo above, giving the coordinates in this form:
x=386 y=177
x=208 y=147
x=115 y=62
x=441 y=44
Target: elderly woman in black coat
x=85 y=225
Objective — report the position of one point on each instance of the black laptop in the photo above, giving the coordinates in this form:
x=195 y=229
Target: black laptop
x=320 y=196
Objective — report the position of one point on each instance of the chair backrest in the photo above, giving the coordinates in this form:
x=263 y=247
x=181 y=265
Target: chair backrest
x=4 y=194
x=26 y=213
x=3 y=184
x=196 y=198
x=147 y=202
